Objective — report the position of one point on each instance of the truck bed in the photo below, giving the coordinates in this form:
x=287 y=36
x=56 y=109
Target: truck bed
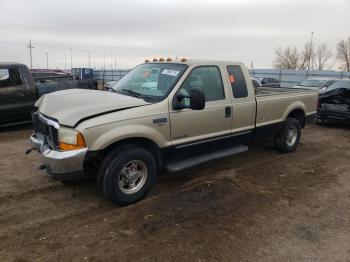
x=273 y=103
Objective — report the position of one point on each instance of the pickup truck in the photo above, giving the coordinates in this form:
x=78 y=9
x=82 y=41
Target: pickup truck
x=18 y=92
x=192 y=111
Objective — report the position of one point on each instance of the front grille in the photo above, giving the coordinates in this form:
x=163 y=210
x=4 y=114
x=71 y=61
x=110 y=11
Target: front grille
x=49 y=132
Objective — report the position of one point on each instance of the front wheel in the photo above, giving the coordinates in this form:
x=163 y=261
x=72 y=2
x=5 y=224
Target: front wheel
x=287 y=140
x=128 y=175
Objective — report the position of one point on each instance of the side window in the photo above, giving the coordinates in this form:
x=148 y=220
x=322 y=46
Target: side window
x=237 y=80
x=208 y=78
x=10 y=77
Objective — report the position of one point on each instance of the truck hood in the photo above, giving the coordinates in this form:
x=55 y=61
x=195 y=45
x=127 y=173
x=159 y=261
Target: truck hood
x=71 y=106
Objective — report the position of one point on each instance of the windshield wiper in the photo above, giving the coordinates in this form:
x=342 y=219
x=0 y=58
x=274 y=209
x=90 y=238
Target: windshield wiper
x=136 y=94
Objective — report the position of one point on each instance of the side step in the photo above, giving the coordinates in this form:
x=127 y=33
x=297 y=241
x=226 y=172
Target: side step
x=190 y=162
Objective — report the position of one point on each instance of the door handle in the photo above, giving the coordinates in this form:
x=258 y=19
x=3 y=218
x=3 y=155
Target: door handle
x=228 y=111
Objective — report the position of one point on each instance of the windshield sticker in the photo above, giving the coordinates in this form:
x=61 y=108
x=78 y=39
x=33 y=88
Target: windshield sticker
x=170 y=72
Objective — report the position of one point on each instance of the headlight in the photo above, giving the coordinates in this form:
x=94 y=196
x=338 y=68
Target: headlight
x=70 y=139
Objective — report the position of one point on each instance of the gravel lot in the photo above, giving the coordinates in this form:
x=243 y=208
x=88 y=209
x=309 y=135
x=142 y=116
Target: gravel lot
x=258 y=206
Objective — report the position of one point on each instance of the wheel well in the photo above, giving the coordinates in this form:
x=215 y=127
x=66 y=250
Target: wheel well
x=298 y=114
x=143 y=142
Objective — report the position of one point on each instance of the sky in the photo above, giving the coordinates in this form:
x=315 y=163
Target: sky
x=122 y=34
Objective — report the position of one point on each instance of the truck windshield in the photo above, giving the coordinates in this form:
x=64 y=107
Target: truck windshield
x=312 y=83
x=151 y=81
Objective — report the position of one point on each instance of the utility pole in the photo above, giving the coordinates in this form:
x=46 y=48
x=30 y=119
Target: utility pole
x=47 y=60
x=65 y=61
x=89 y=57
x=30 y=46
x=115 y=63
x=71 y=58
x=310 y=54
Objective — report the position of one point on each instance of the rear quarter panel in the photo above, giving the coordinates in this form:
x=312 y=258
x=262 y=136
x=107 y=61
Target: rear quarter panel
x=272 y=109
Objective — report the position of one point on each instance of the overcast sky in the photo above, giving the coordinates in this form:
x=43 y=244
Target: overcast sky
x=130 y=31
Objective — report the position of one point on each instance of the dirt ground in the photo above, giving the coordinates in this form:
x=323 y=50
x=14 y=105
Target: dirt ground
x=258 y=206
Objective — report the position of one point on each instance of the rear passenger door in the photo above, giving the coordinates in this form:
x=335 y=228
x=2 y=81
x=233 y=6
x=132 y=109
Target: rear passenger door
x=244 y=105
x=215 y=120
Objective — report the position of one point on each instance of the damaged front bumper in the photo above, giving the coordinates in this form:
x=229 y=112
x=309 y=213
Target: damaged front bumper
x=61 y=165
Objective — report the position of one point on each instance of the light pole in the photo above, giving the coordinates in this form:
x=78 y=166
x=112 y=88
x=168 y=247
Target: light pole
x=71 y=58
x=30 y=46
x=310 y=54
x=47 y=60
x=89 y=57
x=65 y=61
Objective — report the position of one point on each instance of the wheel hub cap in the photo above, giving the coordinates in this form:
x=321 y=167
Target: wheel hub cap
x=292 y=136
x=132 y=177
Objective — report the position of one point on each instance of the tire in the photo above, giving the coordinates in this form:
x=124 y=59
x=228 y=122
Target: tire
x=127 y=174
x=287 y=140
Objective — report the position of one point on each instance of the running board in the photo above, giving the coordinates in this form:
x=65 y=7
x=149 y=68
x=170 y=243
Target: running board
x=194 y=161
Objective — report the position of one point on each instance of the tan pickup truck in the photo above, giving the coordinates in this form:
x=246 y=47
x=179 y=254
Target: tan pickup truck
x=163 y=115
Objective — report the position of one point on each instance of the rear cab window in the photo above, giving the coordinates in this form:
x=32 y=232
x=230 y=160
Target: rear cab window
x=237 y=81
x=10 y=77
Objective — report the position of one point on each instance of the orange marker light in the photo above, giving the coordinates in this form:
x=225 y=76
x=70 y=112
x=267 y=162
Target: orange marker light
x=80 y=144
x=146 y=61
x=155 y=59
x=168 y=59
x=183 y=60
x=161 y=59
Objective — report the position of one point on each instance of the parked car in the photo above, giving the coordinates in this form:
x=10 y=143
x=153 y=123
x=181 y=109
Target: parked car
x=318 y=84
x=108 y=85
x=269 y=81
x=334 y=105
x=199 y=111
x=256 y=83
x=18 y=92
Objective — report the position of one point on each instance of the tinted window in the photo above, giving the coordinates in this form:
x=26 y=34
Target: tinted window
x=237 y=81
x=10 y=77
x=312 y=83
x=330 y=82
x=208 y=78
x=339 y=84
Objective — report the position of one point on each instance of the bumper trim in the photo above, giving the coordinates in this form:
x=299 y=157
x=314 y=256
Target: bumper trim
x=60 y=164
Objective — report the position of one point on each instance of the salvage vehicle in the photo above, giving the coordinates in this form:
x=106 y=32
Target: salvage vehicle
x=269 y=81
x=256 y=83
x=334 y=105
x=108 y=86
x=19 y=91
x=318 y=84
x=199 y=111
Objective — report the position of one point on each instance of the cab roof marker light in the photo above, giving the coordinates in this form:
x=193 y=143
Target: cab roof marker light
x=169 y=59
x=155 y=59
x=183 y=59
x=147 y=61
x=161 y=59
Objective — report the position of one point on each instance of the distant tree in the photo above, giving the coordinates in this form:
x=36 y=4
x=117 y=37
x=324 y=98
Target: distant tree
x=323 y=54
x=287 y=58
x=309 y=57
x=343 y=54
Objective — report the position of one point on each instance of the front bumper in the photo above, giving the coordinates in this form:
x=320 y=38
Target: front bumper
x=61 y=165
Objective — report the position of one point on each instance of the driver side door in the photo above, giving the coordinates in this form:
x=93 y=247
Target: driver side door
x=214 y=121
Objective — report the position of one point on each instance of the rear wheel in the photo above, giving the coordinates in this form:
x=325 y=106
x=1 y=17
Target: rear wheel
x=287 y=140
x=127 y=175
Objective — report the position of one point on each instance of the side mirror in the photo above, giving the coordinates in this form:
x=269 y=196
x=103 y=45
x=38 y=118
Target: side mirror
x=196 y=97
